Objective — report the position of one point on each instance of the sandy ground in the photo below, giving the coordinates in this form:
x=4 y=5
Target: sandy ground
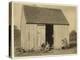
x=52 y=52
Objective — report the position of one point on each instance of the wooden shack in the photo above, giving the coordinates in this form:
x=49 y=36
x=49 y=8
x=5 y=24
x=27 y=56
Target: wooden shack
x=39 y=24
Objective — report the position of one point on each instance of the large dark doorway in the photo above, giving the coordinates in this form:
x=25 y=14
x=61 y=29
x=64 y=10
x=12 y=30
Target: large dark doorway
x=49 y=35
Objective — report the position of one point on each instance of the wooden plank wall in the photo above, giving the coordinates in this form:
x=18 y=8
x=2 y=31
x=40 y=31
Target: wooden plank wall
x=35 y=36
x=60 y=32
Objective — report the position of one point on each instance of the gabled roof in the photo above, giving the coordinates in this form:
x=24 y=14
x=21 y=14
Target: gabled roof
x=44 y=16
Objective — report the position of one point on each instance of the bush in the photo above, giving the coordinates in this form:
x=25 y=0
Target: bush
x=17 y=37
x=73 y=38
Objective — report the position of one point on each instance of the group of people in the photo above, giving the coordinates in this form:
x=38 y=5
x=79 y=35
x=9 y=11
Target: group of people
x=48 y=45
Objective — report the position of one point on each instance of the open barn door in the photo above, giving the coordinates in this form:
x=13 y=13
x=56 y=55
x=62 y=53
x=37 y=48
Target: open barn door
x=49 y=35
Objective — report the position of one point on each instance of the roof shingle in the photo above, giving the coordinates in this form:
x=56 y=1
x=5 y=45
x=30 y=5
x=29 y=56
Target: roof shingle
x=37 y=15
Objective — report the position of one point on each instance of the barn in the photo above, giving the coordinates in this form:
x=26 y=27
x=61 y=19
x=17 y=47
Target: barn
x=39 y=25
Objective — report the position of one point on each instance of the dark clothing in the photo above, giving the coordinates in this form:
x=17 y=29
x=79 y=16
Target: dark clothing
x=49 y=33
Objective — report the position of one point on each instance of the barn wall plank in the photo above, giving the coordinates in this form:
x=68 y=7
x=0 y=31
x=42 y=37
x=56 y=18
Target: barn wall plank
x=23 y=30
x=33 y=36
x=41 y=35
x=60 y=32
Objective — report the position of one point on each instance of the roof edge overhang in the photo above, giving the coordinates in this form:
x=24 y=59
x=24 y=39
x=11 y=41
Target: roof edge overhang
x=47 y=23
x=36 y=15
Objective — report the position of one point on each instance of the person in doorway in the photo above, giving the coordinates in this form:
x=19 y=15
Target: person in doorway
x=49 y=41
x=64 y=43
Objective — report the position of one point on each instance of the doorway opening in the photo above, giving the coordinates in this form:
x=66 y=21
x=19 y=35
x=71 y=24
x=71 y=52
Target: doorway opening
x=49 y=35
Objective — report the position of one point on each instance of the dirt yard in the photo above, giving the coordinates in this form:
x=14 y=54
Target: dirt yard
x=52 y=52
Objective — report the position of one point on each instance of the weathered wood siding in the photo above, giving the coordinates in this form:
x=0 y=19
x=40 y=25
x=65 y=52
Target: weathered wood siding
x=60 y=32
x=23 y=30
x=33 y=37
x=40 y=35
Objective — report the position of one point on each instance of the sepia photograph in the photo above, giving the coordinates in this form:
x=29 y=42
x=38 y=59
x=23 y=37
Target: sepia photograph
x=37 y=29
